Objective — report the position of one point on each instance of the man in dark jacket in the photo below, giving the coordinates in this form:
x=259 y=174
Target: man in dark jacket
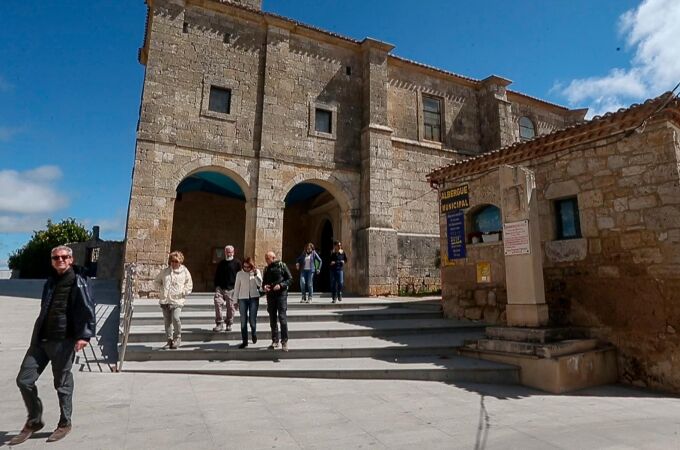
x=276 y=280
x=65 y=324
x=225 y=277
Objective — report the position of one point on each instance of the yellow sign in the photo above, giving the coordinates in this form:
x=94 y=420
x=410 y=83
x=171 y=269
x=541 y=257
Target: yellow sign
x=483 y=272
x=454 y=199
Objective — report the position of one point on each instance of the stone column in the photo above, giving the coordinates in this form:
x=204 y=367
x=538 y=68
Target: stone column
x=376 y=268
x=523 y=272
x=495 y=113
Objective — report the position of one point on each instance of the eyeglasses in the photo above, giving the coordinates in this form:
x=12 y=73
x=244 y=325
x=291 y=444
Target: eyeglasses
x=246 y=267
x=60 y=257
x=172 y=261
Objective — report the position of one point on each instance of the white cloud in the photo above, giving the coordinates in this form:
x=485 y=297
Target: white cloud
x=653 y=30
x=21 y=223
x=110 y=228
x=30 y=192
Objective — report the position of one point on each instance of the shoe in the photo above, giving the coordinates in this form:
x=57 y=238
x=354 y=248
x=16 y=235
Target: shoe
x=333 y=301
x=168 y=345
x=243 y=345
x=26 y=432
x=339 y=297
x=284 y=346
x=176 y=342
x=254 y=338
x=219 y=327
x=303 y=299
x=273 y=346
x=59 y=434
x=309 y=299
x=228 y=328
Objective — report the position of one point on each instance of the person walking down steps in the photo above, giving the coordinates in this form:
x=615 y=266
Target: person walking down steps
x=174 y=284
x=338 y=260
x=309 y=264
x=225 y=277
x=276 y=281
x=247 y=291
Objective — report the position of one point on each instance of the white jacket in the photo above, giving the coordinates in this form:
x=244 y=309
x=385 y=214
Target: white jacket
x=247 y=285
x=174 y=285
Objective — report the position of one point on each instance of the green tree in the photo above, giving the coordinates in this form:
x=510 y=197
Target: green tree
x=33 y=259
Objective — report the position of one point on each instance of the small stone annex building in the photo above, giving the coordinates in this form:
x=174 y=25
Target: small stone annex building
x=607 y=206
x=266 y=133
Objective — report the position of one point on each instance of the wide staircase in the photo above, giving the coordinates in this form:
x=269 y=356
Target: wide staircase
x=360 y=338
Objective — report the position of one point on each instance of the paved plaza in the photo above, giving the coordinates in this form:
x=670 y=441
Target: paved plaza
x=147 y=411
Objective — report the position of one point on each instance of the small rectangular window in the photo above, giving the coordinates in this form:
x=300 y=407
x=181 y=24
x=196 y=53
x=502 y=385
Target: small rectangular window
x=220 y=100
x=432 y=118
x=567 y=218
x=185 y=27
x=323 y=121
x=348 y=70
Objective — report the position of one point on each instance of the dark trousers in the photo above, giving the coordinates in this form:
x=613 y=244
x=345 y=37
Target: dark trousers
x=277 y=305
x=61 y=354
x=247 y=309
x=337 y=283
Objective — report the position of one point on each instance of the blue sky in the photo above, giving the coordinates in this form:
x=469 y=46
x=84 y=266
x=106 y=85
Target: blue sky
x=70 y=82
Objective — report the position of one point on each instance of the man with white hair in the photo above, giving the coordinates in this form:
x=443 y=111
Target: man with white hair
x=65 y=324
x=225 y=278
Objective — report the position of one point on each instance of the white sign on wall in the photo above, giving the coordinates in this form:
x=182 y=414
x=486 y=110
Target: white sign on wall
x=516 y=238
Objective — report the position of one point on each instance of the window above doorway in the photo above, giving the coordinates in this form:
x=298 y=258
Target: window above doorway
x=220 y=99
x=323 y=120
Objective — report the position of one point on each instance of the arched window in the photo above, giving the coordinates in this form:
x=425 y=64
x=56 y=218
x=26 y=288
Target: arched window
x=526 y=128
x=485 y=224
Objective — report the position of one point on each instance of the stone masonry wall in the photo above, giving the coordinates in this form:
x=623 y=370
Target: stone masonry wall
x=622 y=278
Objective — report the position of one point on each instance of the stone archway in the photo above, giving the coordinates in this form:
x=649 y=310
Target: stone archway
x=311 y=212
x=210 y=211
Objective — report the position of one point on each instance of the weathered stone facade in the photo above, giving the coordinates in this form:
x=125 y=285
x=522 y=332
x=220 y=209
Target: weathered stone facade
x=621 y=276
x=373 y=162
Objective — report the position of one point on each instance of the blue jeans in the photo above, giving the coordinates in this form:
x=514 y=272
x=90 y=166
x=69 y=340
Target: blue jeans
x=337 y=282
x=307 y=283
x=247 y=308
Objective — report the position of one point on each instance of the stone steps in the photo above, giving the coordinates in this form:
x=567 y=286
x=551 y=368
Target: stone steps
x=359 y=338
x=309 y=314
x=338 y=347
x=306 y=330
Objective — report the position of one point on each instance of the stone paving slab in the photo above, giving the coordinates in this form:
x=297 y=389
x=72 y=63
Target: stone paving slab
x=149 y=411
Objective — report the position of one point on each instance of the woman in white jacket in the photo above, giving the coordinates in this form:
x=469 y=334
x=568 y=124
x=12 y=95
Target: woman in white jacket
x=174 y=284
x=247 y=291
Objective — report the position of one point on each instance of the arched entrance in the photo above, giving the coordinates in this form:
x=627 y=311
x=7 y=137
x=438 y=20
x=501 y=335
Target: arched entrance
x=210 y=212
x=312 y=214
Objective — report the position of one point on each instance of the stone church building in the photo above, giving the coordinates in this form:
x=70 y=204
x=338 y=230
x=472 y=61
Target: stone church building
x=266 y=133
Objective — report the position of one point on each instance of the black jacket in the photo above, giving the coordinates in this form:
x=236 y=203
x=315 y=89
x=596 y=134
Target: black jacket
x=79 y=312
x=225 y=274
x=277 y=273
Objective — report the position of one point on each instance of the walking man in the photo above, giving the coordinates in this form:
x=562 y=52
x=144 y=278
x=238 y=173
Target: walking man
x=65 y=324
x=225 y=277
x=276 y=280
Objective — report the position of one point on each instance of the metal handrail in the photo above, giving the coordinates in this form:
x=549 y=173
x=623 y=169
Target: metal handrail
x=127 y=307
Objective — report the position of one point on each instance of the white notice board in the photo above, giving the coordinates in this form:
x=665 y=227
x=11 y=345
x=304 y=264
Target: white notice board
x=516 y=238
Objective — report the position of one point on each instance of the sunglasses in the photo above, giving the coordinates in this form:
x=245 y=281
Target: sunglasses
x=174 y=261
x=60 y=257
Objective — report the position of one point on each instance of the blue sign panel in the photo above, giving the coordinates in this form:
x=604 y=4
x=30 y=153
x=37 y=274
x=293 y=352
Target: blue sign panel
x=455 y=234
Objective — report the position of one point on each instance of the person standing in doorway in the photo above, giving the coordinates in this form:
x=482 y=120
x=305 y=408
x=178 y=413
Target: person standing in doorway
x=338 y=260
x=64 y=326
x=225 y=277
x=247 y=291
x=309 y=264
x=174 y=284
x=276 y=281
